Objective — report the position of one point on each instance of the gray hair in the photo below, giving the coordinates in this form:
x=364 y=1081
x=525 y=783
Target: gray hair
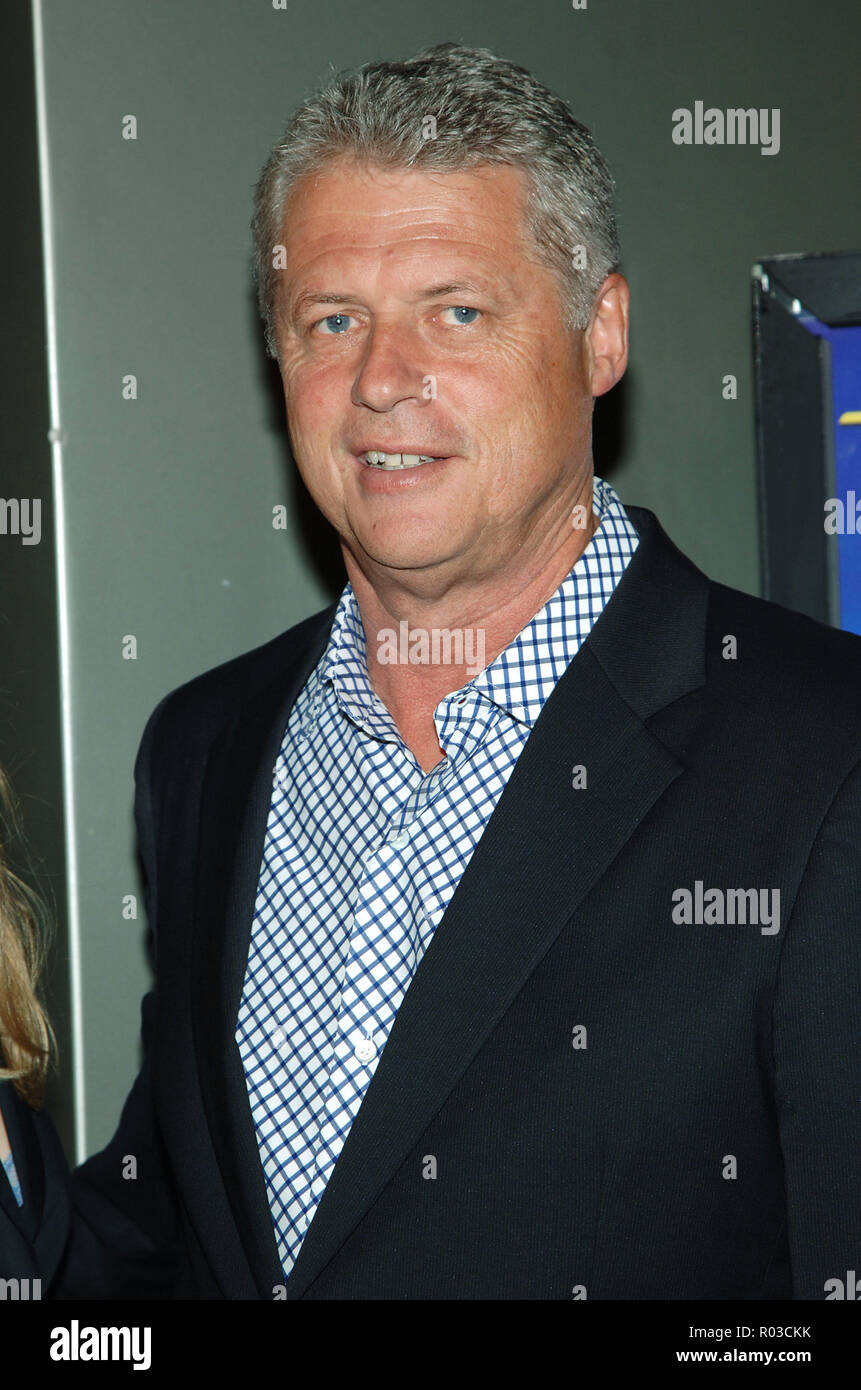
x=450 y=108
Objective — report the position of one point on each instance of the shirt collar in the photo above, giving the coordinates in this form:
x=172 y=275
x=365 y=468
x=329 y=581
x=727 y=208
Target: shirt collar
x=520 y=679
x=524 y=674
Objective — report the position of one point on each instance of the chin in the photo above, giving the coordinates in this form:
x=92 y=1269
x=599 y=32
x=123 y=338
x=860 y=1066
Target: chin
x=392 y=541
x=399 y=556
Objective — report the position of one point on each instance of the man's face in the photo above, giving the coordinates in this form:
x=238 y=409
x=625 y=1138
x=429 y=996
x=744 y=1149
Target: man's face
x=411 y=317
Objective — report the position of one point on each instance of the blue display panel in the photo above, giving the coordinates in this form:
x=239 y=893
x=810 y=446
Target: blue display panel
x=842 y=512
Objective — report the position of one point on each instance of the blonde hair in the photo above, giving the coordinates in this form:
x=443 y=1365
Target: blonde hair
x=27 y=1041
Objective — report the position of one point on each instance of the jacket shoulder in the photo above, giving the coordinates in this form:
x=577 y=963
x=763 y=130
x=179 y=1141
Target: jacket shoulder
x=789 y=662
x=787 y=634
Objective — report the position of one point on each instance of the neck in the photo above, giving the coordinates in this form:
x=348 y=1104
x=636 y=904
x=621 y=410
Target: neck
x=411 y=669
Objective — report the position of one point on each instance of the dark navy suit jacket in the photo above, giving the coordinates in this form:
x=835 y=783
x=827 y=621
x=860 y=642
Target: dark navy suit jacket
x=705 y=1142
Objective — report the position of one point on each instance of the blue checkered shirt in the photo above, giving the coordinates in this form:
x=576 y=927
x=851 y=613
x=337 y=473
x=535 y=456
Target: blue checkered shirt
x=362 y=855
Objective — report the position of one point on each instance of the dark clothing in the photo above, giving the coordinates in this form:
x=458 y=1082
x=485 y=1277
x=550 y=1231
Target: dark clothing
x=618 y=1101
x=33 y=1235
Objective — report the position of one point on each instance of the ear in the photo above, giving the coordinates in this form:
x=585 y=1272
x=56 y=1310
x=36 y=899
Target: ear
x=607 y=334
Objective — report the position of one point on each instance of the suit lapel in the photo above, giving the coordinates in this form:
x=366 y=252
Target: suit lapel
x=235 y=802
x=543 y=849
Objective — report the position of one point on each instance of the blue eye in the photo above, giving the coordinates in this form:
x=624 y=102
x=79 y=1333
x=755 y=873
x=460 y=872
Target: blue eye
x=338 y=319
x=461 y=309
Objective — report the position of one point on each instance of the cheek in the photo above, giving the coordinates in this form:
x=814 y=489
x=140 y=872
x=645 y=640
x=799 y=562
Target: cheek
x=313 y=419
x=312 y=395
x=523 y=389
x=494 y=397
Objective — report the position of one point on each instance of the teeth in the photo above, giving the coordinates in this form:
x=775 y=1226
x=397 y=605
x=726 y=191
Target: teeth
x=377 y=459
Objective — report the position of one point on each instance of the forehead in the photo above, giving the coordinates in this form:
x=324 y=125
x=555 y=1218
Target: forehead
x=370 y=216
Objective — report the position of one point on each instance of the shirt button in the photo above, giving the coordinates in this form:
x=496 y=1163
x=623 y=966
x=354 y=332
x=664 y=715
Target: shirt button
x=365 y=1050
x=400 y=840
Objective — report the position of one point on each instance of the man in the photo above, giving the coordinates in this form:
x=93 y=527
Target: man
x=506 y=913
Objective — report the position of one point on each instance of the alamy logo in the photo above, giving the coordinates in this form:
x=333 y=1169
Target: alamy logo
x=837 y=1288
x=441 y=646
x=735 y=126
x=843 y=515
x=21 y=516
x=76 y=1343
x=728 y=907
x=20 y=1290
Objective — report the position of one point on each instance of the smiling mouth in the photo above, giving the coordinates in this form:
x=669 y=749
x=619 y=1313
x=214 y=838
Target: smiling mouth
x=375 y=458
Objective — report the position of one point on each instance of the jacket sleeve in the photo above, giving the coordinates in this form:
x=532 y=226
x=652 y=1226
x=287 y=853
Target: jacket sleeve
x=125 y=1236
x=817 y=1056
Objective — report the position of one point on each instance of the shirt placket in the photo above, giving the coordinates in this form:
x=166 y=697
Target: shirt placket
x=380 y=965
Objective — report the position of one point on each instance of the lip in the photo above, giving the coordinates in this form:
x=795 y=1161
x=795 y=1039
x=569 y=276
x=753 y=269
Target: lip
x=383 y=480
x=407 y=448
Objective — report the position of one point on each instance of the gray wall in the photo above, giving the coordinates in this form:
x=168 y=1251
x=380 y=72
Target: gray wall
x=167 y=499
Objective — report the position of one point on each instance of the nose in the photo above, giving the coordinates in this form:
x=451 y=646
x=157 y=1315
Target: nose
x=390 y=370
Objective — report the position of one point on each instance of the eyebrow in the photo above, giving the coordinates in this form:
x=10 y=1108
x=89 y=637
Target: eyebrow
x=311 y=297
